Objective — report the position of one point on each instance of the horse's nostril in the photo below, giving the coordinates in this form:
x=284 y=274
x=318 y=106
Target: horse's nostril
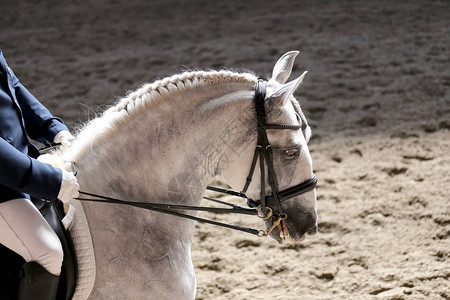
x=312 y=230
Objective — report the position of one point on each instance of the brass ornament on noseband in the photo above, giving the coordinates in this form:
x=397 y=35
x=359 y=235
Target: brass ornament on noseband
x=275 y=224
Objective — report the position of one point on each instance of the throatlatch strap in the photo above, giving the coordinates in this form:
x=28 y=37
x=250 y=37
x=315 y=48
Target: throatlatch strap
x=263 y=177
x=259 y=101
x=252 y=168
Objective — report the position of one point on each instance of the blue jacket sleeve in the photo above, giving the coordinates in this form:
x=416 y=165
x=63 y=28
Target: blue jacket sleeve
x=28 y=175
x=41 y=126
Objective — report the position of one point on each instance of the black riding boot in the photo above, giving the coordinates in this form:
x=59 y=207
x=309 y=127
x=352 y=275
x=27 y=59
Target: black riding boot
x=37 y=283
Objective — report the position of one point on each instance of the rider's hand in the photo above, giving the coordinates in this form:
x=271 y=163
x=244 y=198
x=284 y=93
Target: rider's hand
x=69 y=187
x=64 y=137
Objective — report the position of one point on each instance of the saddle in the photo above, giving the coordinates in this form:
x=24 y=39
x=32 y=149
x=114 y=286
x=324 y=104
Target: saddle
x=11 y=262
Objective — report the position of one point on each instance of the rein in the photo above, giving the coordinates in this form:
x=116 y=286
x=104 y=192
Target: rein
x=171 y=209
x=49 y=147
x=268 y=208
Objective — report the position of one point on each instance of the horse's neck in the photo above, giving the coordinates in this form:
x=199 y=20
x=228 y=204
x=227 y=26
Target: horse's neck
x=169 y=153
x=164 y=155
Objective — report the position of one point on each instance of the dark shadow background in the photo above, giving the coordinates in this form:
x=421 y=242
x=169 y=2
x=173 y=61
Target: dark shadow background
x=374 y=67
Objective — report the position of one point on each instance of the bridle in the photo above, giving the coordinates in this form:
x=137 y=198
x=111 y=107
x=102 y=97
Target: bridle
x=268 y=207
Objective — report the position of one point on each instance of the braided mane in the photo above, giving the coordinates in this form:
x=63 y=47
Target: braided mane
x=144 y=98
x=151 y=94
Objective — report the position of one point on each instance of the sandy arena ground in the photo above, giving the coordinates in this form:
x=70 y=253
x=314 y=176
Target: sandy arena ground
x=376 y=95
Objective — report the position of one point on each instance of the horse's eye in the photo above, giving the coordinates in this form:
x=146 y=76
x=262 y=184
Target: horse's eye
x=291 y=152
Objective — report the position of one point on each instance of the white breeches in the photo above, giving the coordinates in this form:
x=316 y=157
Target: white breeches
x=25 y=231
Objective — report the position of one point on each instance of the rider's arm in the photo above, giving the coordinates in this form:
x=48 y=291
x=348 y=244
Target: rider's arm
x=24 y=174
x=39 y=122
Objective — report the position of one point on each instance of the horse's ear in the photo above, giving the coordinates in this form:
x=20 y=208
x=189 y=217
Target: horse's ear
x=281 y=95
x=283 y=67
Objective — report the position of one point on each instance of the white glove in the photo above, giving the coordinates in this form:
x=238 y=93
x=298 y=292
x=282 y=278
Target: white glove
x=69 y=187
x=64 y=137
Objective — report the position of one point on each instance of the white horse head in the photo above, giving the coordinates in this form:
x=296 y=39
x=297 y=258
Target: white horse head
x=164 y=143
x=292 y=160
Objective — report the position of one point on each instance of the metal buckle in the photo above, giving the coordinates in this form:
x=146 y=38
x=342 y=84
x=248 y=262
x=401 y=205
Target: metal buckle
x=267 y=216
x=275 y=224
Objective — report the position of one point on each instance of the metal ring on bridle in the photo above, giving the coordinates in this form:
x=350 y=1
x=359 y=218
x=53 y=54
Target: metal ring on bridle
x=268 y=215
x=275 y=224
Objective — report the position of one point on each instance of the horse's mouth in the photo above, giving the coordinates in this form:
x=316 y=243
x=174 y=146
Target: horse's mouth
x=285 y=237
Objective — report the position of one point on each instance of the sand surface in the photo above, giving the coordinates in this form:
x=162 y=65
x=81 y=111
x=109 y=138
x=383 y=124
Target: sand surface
x=376 y=95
